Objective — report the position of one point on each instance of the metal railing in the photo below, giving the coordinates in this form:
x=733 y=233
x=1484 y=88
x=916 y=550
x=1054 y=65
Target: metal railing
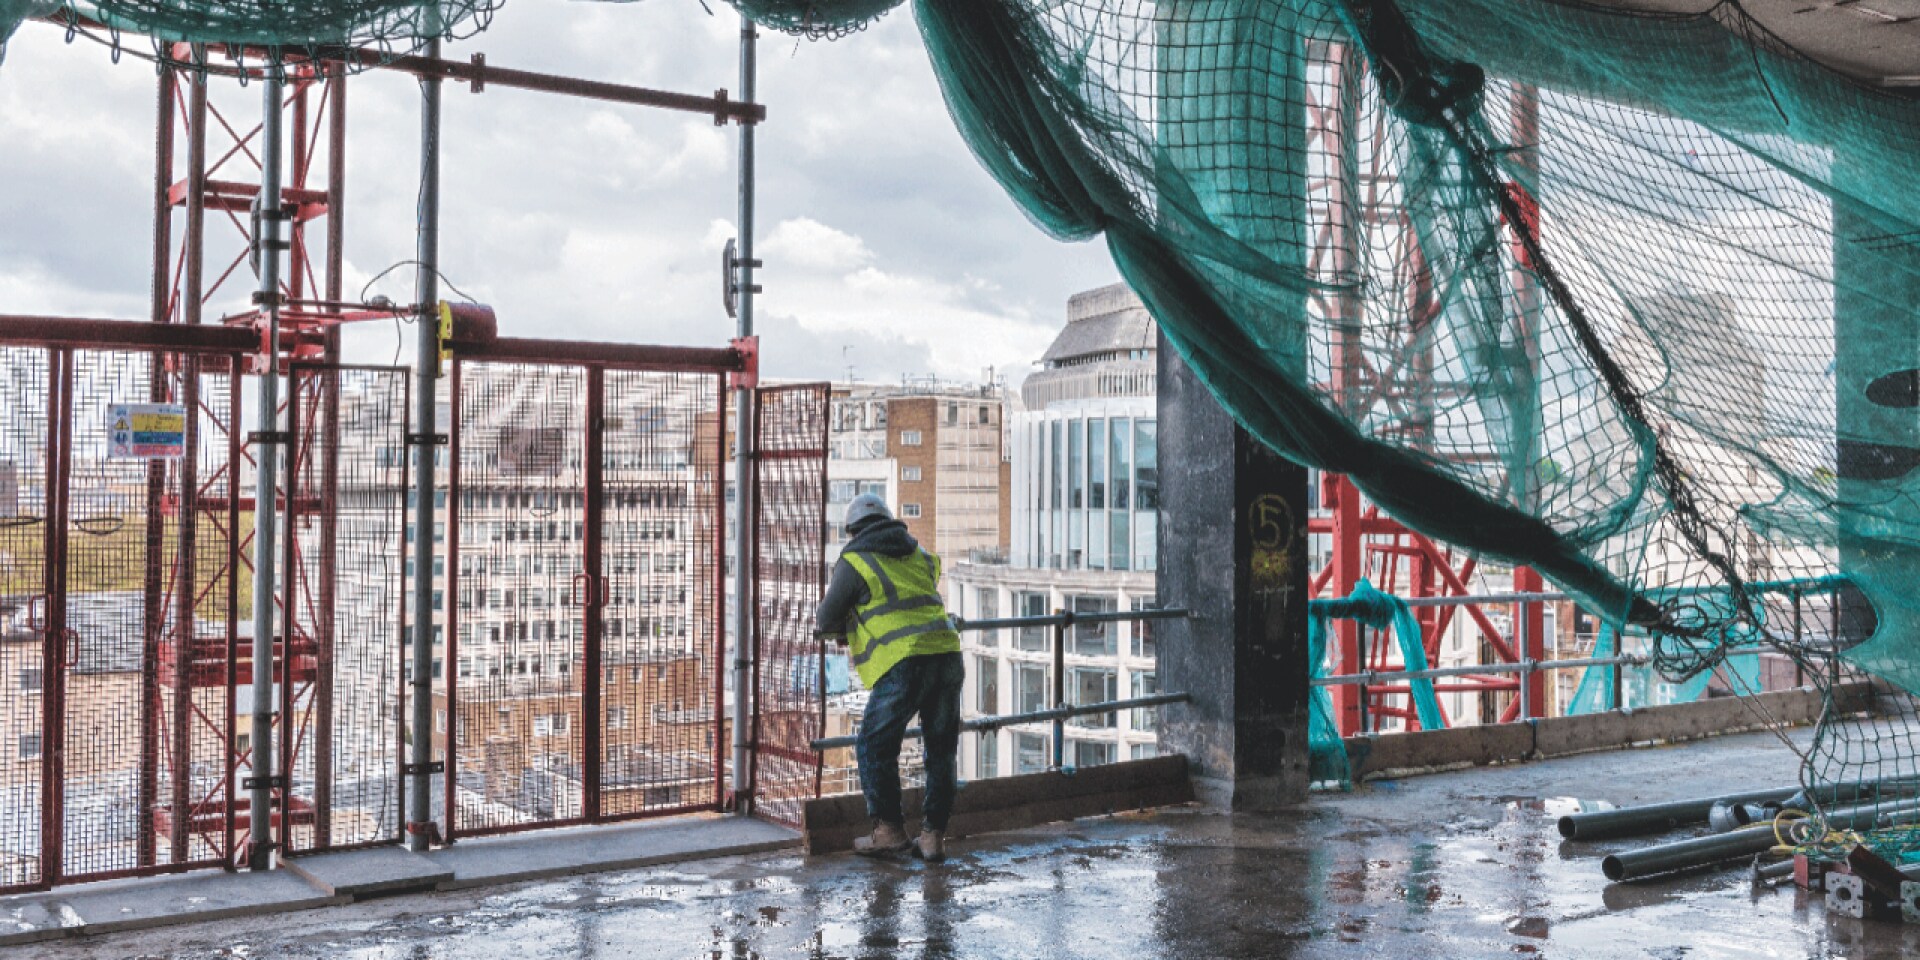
x=1062 y=711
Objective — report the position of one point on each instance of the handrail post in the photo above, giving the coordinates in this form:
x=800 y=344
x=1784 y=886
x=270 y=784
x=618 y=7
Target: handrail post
x=1060 y=685
x=1620 y=670
x=1360 y=640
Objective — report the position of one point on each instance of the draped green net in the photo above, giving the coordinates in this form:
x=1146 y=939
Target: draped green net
x=294 y=24
x=1627 y=298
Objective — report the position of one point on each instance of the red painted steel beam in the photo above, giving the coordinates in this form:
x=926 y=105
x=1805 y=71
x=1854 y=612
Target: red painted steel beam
x=81 y=332
x=624 y=356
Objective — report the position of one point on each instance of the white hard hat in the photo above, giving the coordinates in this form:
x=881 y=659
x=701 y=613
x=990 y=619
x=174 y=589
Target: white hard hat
x=866 y=506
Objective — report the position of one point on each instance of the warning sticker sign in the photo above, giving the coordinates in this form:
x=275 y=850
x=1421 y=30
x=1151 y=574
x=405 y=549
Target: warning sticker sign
x=147 y=431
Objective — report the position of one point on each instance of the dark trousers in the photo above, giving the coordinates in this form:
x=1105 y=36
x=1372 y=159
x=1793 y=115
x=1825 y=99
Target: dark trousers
x=928 y=685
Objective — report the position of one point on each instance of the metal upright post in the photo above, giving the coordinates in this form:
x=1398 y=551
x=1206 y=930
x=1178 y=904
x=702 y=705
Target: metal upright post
x=426 y=373
x=266 y=480
x=744 y=444
x=1060 y=684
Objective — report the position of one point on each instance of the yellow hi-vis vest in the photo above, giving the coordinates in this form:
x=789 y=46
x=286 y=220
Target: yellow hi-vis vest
x=903 y=616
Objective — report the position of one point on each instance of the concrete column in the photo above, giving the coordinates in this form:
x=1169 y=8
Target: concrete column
x=1233 y=550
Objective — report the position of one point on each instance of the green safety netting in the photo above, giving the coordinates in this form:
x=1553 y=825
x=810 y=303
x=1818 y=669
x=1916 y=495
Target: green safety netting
x=386 y=25
x=1628 y=298
x=1375 y=611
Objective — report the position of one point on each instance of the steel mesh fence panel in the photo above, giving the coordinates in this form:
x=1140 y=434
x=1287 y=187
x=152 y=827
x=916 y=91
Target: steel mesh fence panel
x=789 y=570
x=204 y=587
x=25 y=397
x=347 y=586
x=103 y=644
x=660 y=626
x=519 y=515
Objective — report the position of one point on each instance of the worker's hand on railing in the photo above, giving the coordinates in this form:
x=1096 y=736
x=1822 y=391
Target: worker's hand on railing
x=839 y=639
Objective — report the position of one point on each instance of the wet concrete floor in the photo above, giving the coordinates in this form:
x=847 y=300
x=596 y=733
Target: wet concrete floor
x=1453 y=865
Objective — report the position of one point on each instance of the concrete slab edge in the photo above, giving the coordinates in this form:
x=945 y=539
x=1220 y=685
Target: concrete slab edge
x=1440 y=751
x=624 y=863
x=101 y=928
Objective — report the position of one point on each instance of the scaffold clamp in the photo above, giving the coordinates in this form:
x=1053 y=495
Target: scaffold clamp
x=748 y=376
x=430 y=767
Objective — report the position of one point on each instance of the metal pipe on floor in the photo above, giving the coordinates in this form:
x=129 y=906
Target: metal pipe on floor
x=267 y=246
x=1653 y=818
x=1747 y=841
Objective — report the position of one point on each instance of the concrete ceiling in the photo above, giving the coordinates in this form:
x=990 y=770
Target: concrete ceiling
x=1877 y=41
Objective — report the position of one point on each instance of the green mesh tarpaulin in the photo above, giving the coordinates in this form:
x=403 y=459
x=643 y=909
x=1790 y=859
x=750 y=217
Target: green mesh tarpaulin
x=382 y=24
x=1627 y=298
x=1380 y=612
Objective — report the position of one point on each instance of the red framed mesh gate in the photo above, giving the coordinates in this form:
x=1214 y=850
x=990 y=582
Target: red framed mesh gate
x=789 y=502
x=579 y=595
x=585 y=585
x=125 y=552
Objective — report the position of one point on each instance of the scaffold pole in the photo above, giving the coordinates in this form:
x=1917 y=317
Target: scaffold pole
x=744 y=444
x=266 y=479
x=426 y=374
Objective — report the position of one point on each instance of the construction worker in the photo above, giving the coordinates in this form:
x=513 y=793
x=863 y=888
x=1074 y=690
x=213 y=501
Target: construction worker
x=884 y=602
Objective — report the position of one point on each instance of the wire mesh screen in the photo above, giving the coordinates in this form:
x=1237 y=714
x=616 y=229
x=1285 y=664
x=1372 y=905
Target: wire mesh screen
x=25 y=398
x=789 y=570
x=345 y=591
x=204 y=589
x=103 y=646
x=660 y=636
x=520 y=512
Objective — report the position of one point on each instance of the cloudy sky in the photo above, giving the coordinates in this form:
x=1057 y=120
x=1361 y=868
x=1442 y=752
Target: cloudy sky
x=887 y=248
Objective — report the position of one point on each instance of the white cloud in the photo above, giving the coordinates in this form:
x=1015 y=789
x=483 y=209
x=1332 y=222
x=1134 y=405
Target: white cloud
x=587 y=220
x=811 y=244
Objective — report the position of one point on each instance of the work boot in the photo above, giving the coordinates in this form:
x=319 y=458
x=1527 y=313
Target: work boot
x=932 y=846
x=886 y=839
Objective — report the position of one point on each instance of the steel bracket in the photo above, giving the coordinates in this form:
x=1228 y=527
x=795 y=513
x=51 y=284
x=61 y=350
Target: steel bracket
x=748 y=376
x=426 y=439
x=431 y=766
x=266 y=437
x=272 y=782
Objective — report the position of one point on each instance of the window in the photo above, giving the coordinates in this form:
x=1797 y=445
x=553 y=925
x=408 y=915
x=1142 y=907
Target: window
x=440 y=721
x=1088 y=686
x=986 y=679
x=30 y=679
x=909 y=438
x=1076 y=465
x=1142 y=631
x=1118 y=465
x=616 y=718
x=910 y=510
x=1146 y=465
x=1029 y=753
x=1145 y=684
x=1093 y=639
x=1087 y=753
x=1031 y=688
x=910 y=474
x=1097 y=464
x=1056 y=481
x=1145 y=751
x=953 y=414
x=986 y=606
x=549 y=724
x=1031 y=637
x=987 y=762
x=984 y=416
